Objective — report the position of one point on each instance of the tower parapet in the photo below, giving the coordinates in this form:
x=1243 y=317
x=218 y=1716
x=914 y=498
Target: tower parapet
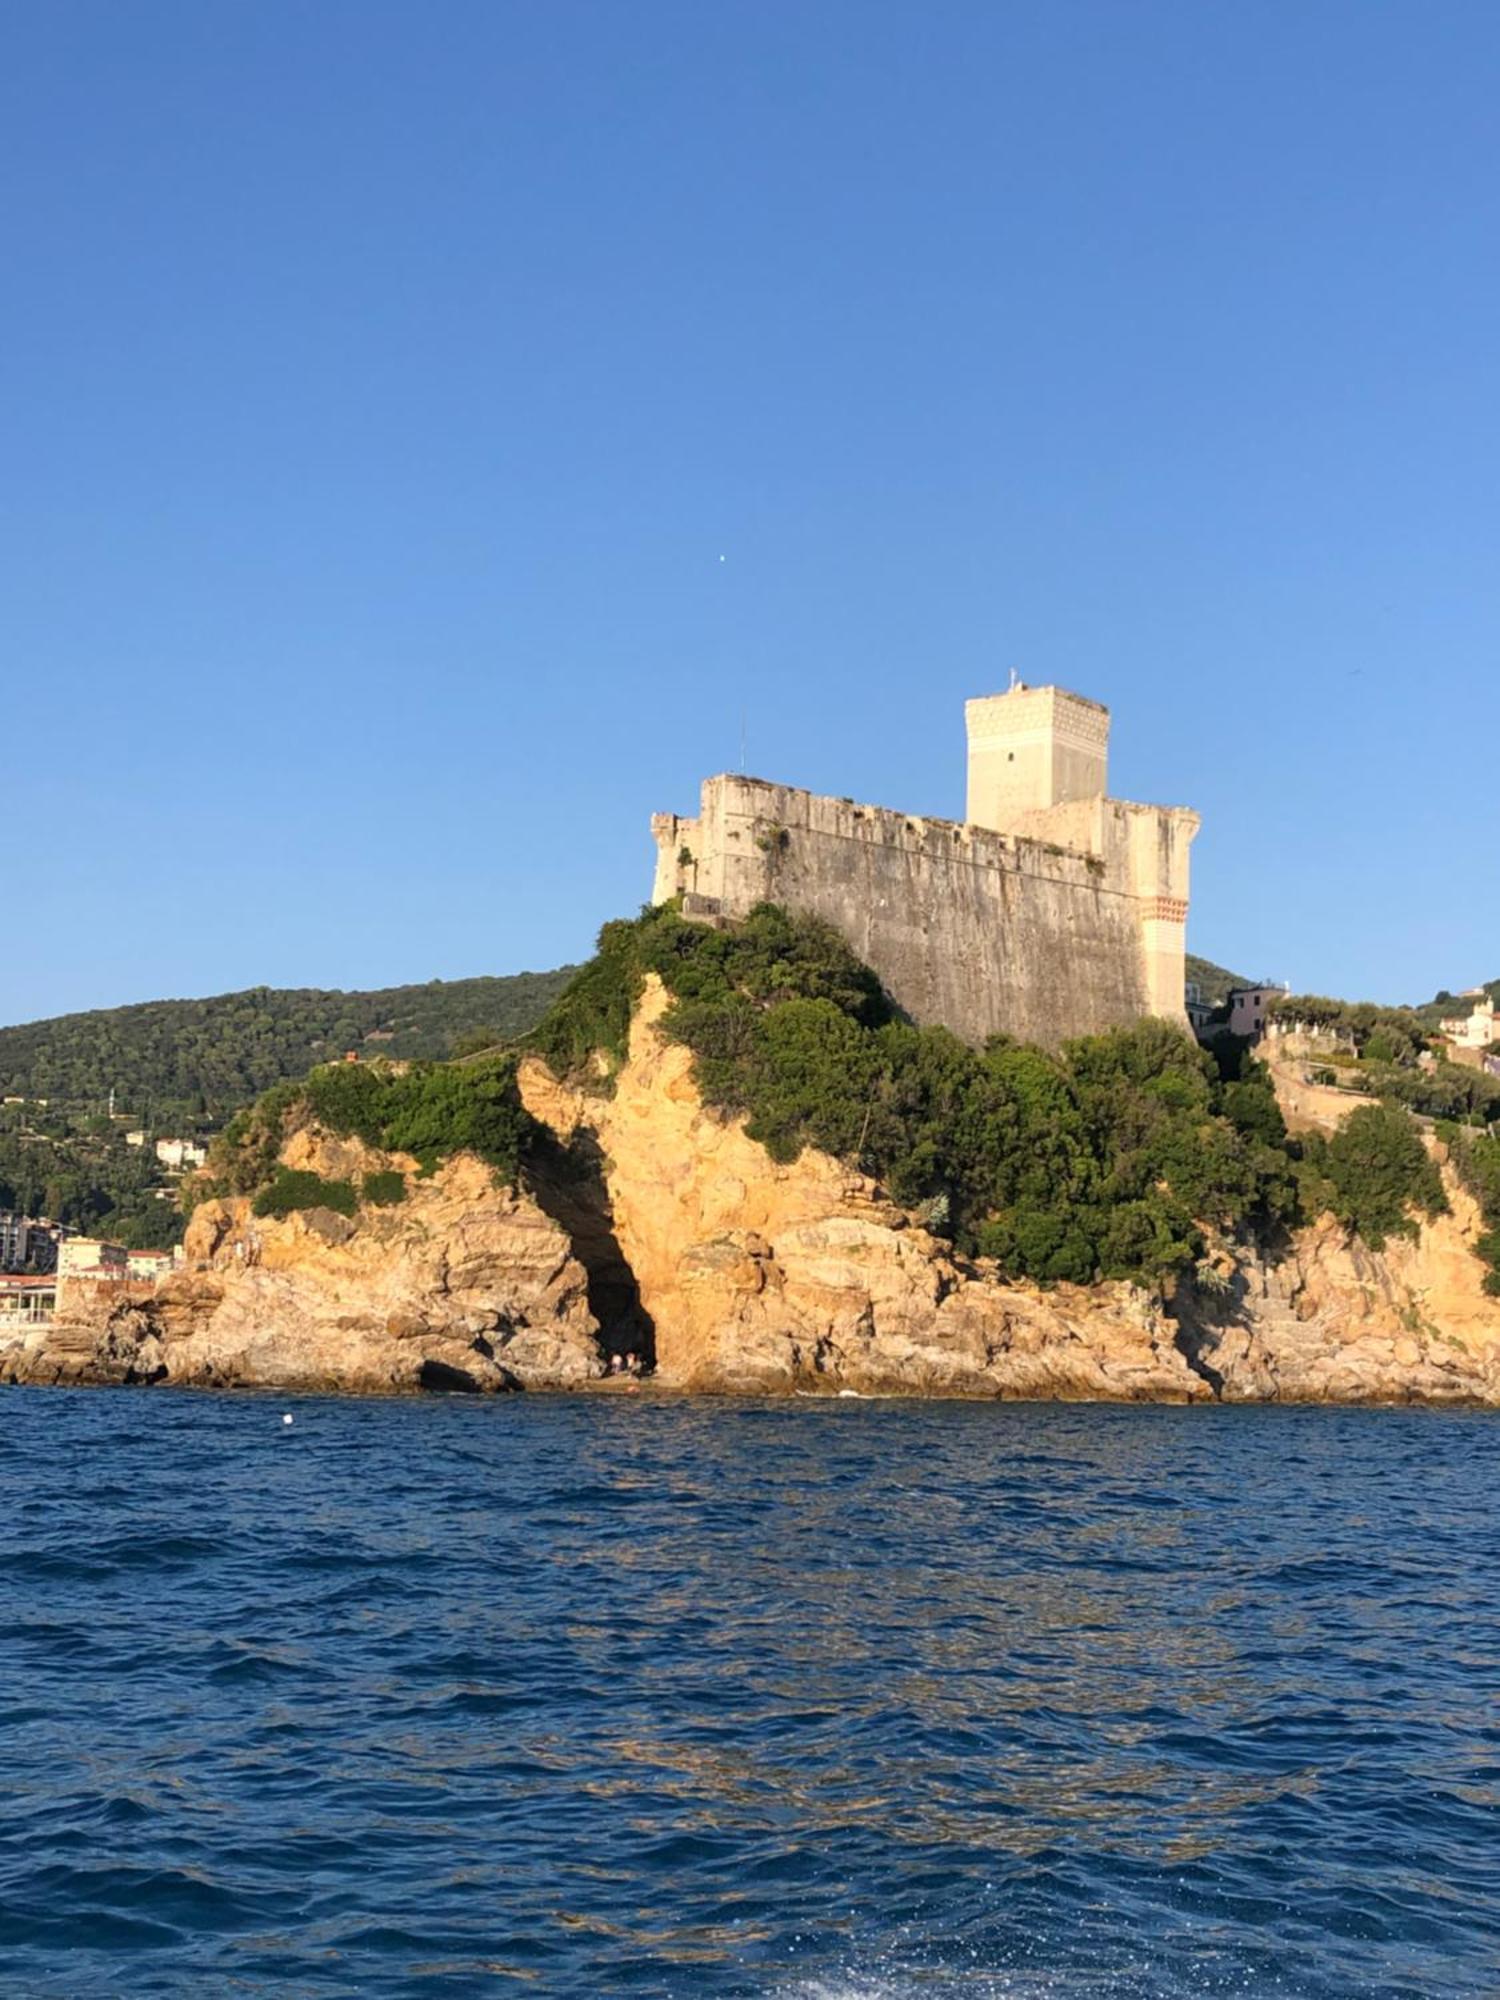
x=1031 y=749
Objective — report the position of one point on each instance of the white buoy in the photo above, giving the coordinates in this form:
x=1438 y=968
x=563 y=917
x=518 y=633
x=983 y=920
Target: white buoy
x=287 y=1419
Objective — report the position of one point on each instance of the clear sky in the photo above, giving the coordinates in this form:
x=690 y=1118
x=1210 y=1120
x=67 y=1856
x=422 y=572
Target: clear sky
x=428 y=429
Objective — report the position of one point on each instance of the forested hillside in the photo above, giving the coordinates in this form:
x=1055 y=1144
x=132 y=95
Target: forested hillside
x=177 y=1062
x=1213 y=981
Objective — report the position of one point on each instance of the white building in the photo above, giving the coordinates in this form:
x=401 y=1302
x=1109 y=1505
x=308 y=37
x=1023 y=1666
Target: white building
x=90 y=1257
x=1475 y=1030
x=180 y=1153
x=150 y=1264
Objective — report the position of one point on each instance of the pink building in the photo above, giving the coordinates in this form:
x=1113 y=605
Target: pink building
x=1249 y=1006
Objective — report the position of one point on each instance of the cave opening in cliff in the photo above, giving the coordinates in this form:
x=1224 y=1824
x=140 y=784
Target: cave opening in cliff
x=569 y=1185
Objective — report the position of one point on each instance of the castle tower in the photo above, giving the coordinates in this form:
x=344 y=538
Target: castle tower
x=1054 y=911
x=1031 y=749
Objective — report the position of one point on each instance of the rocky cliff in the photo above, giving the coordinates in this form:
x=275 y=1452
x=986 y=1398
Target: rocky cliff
x=762 y=1277
x=1329 y=1321
x=759 y=1277
x=652 y=1224
x=464 y=1285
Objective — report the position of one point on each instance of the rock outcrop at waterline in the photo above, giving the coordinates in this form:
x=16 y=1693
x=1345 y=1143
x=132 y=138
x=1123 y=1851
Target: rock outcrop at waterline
x=463 y=1285
x=1330 y=1321
x=657 y=1224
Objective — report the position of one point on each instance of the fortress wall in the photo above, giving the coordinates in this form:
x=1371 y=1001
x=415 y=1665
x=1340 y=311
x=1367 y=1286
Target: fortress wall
x=985 y=932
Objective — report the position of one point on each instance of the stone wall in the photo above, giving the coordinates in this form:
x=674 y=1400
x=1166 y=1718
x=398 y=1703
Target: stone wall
x=985 y=932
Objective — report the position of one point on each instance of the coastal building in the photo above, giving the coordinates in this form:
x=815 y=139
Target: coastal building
x=90 y=1257
x=27 y=1244
x=1474 y=1030
x=149 y=1264
x=1051 y=910
x=26 y=1299
x=1199 y=1011
x=179 y=1154
x=1249 y=1007
x=91 y=1271
x=15 y=1241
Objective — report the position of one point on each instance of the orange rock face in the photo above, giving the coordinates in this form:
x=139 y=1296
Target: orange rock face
x=760 y=1277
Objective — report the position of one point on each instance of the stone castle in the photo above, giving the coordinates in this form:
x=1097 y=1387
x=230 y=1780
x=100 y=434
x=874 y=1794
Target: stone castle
x=1053 y=910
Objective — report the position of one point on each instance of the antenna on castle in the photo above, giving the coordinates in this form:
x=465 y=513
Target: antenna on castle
x=1015 y=680
x=742 y=742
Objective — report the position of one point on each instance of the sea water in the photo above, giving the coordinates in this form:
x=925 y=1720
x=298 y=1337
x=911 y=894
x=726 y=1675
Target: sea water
x=648 y=1696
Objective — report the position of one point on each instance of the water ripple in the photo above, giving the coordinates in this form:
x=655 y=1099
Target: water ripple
x=831 y=1701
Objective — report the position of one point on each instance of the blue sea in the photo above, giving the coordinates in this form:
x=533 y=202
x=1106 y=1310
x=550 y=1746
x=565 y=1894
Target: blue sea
x=840 y=1700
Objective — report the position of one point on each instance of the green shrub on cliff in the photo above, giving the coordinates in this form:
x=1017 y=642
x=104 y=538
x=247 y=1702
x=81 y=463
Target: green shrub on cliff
x=291 y=1188
x=592 y=1014
x=769 y=958
x=1372 y=1173
x=1478 y=1164
x=243 y=1156
x=437 y=1109
x=431 y=1110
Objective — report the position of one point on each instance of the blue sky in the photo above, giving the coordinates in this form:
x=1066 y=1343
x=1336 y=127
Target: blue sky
x=383 y=385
